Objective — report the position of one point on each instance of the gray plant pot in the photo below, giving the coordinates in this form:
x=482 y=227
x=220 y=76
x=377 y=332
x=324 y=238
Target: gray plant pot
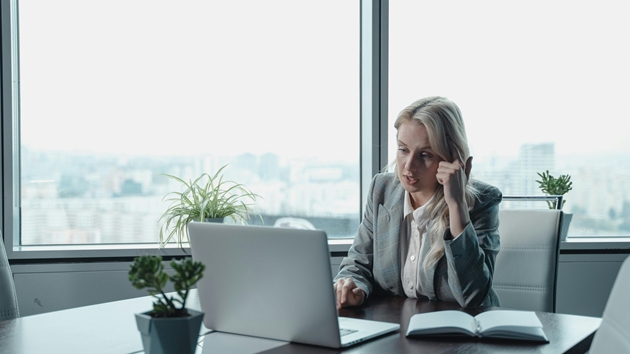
x=217 y=220
x=169 y=335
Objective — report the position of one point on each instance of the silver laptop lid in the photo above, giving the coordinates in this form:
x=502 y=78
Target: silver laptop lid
x=266 y=281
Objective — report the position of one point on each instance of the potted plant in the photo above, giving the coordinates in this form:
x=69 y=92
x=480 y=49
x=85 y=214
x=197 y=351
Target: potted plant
x=168 y=328
x=207 y=198
x=561 y=185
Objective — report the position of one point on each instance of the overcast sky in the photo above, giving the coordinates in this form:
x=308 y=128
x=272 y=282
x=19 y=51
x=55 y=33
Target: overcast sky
x=521 y=72
x=227 y=77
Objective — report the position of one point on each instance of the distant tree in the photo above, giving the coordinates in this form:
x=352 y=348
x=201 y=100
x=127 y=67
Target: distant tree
x=72 y=186
x=130 y=187
x=625 y=216
x=578 y=210
x=612 y=214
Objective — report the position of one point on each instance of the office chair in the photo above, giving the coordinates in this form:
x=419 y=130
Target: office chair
x=526 y=267
x=8 y=298
x=613 y=335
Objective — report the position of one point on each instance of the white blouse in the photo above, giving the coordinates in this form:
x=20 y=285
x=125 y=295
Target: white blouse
x=414 y=228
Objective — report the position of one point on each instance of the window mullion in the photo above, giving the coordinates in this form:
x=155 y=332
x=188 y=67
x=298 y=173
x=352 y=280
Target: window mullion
x=374 y=54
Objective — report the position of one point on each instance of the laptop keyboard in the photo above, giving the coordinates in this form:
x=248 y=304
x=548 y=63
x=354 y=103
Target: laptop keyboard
x=346 y=331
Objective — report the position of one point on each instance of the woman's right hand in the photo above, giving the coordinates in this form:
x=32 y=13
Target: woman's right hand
x=348 y=293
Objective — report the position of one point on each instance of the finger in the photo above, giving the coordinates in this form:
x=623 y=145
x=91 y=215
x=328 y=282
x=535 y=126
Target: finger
x=440 y=178
x=359 y=294
x=338 y=286
x=450 y=171
x=344 y=293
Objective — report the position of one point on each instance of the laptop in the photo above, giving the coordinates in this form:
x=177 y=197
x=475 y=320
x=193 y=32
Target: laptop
x=274 y=283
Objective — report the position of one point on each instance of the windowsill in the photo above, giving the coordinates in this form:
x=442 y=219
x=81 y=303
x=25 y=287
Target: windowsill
x=596 y=244
x=340 y=244
x=78 y=252
x=572 y=243
x=121 y=251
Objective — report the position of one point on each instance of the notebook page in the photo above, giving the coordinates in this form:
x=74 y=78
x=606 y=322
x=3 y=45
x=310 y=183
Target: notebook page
x=441 y=322
x=490 y=320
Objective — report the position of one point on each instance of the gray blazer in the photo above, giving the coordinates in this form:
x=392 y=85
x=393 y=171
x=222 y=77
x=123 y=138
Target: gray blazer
x=462 y=275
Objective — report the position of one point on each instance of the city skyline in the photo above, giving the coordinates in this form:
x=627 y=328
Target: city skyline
x=101 y=198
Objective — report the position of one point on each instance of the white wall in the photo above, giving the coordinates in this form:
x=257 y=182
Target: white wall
x=50 y=287
x=43 y=288
x=585 y=281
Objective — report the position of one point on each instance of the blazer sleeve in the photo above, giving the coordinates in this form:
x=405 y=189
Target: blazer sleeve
x=470 y=257
x=358 y=264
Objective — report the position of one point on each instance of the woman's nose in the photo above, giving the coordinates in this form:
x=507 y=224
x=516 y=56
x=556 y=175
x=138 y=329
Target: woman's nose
x=409 y=164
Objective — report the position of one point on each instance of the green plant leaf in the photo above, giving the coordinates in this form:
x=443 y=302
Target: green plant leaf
x=148 y=272
x=205 y=197
x=550 y=185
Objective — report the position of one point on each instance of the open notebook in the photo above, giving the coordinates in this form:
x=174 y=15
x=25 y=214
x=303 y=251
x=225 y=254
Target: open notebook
x=506 y=324
x=273 y=283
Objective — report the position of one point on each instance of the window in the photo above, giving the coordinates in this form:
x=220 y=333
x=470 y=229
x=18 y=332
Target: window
x=98 y=99
x=114 y=93
x=542 y=86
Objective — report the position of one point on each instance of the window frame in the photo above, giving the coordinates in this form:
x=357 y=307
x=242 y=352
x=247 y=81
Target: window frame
x=373 y=141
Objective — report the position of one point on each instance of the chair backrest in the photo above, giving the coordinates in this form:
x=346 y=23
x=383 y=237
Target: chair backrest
x=8 y=298
x=527 y=264
x=613 y=335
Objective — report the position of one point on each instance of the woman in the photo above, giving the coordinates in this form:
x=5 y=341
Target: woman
x=427 y=229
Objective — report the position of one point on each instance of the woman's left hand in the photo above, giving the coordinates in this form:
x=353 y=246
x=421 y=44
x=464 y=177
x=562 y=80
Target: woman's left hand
x=454 y=177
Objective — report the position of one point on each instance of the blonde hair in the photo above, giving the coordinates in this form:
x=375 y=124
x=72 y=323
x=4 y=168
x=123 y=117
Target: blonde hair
x=447 y=137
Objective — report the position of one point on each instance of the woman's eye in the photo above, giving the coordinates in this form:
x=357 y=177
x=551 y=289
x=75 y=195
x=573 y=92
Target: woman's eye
x=425 y=156
x=401 y=149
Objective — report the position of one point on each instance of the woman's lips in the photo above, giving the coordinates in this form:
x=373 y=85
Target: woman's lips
x=411 y=180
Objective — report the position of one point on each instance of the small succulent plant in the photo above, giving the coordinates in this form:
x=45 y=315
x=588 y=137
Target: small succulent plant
x=148 y=272
x=551 y=185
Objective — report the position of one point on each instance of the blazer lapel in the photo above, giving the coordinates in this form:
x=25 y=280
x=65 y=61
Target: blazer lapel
x=390 y=216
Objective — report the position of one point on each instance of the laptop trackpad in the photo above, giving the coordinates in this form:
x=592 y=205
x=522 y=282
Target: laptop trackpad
x=357 y=330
